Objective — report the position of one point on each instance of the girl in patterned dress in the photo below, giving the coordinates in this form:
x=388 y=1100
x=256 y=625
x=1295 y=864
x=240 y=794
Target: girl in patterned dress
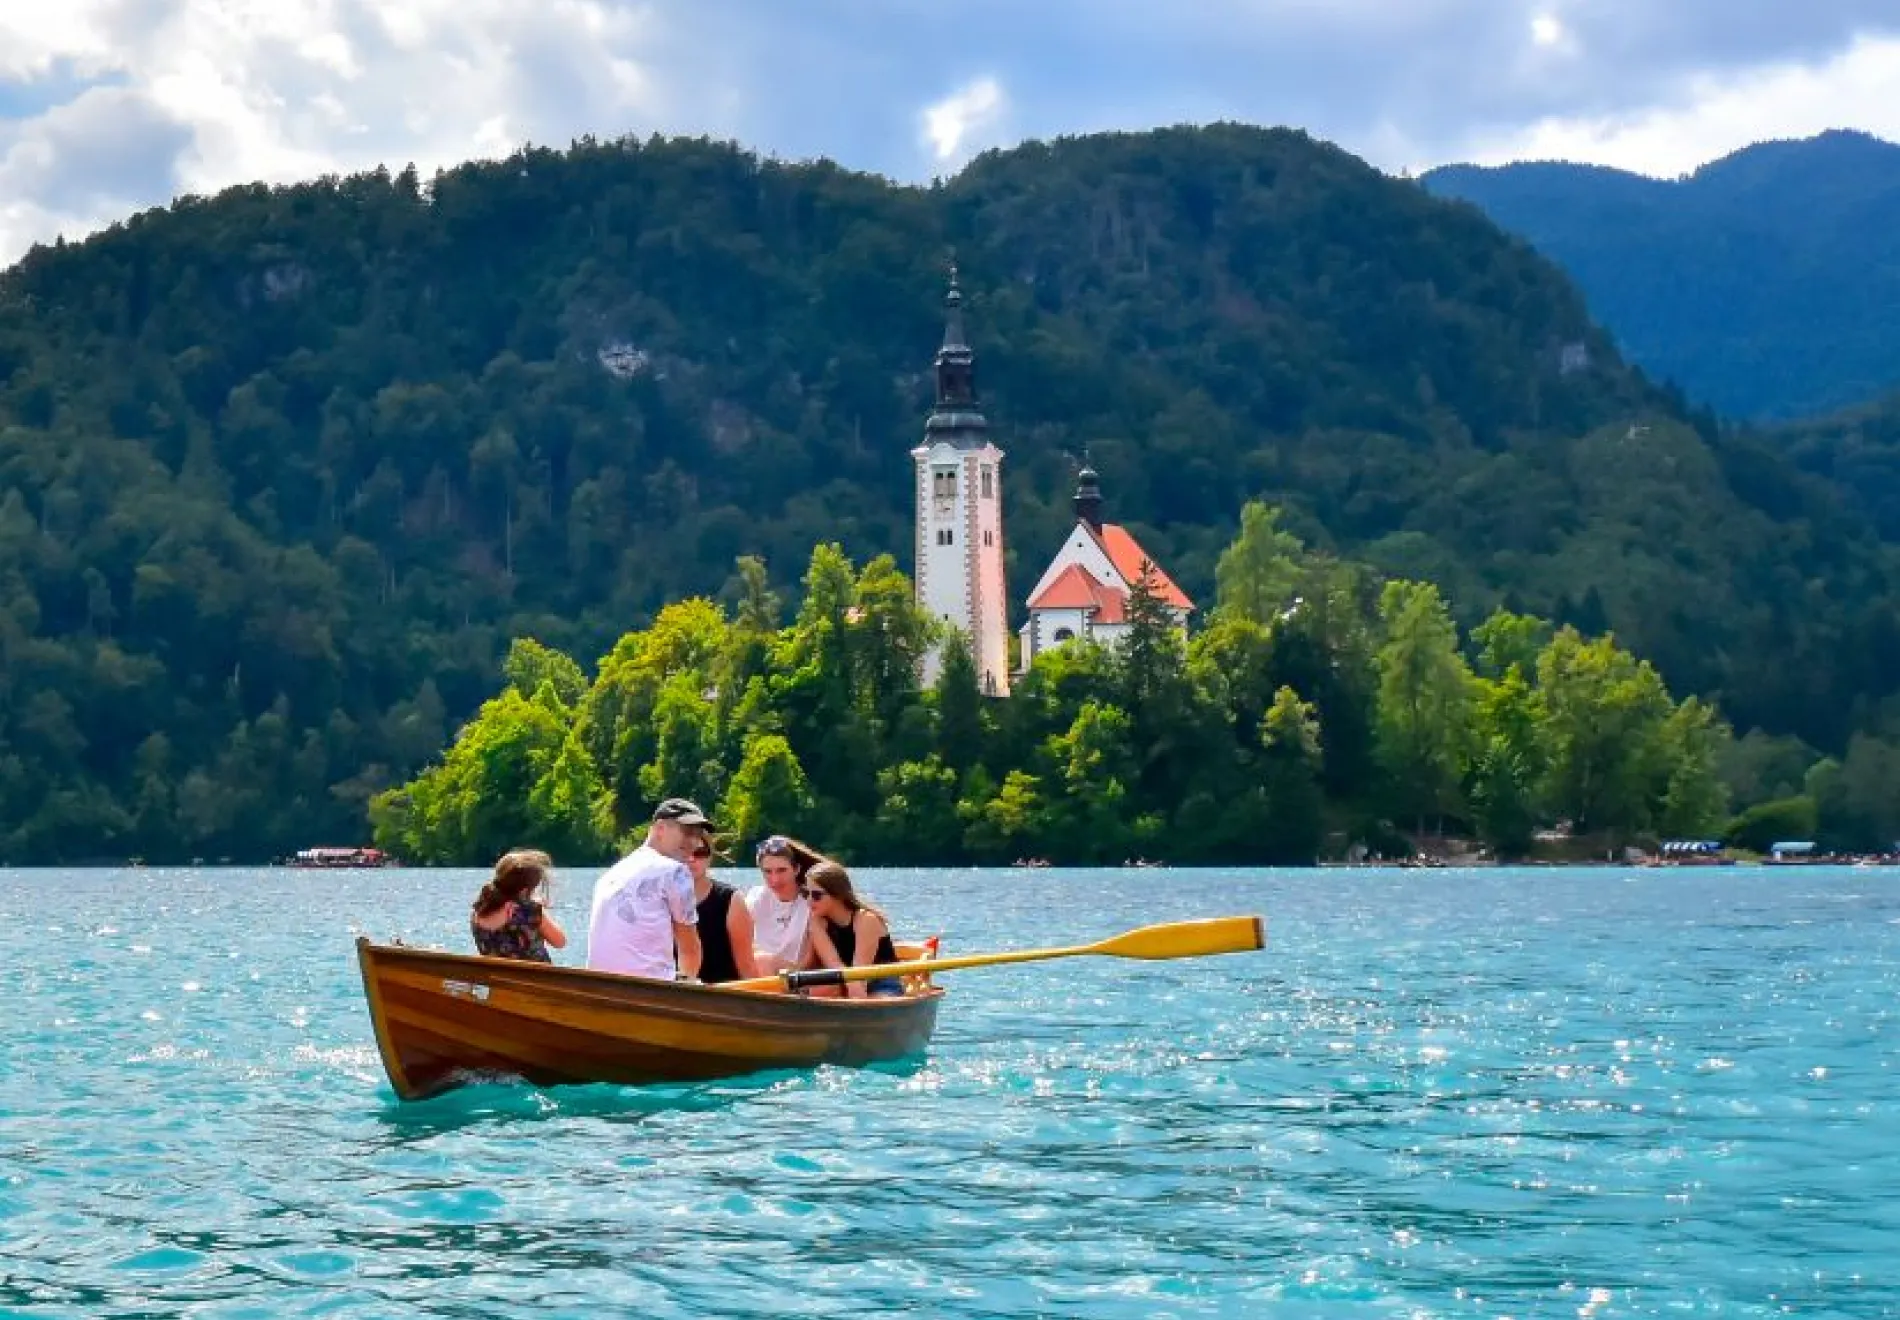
x=507 y=920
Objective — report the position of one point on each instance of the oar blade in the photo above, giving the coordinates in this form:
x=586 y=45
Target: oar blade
x=1189 y=939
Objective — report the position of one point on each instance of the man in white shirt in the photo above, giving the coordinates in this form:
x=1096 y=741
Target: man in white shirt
x=643 y=905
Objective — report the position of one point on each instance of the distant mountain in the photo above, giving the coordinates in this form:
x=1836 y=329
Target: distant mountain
x=1765 y=285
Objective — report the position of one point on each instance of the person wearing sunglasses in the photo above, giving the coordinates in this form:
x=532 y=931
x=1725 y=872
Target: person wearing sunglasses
x=643 y=921
x=781 y=919
x=725 y=926
x=846 y=931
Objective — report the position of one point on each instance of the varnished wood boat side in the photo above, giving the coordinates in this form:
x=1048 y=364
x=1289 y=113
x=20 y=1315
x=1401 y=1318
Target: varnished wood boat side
x=385 y=1046
x=441 y=1018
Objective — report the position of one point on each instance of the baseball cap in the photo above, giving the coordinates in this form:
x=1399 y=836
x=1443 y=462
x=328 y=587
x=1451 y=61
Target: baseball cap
x=681 y=811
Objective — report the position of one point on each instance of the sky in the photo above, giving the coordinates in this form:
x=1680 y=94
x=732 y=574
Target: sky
x=111 y=106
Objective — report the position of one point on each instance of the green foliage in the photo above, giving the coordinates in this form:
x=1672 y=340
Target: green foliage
x=1604 y=715
x=917 y=816
x=769 y=791
x=1768 y=823
x=1694 y=799
x=1259 y=575
x=1294 y=821
x=284 y=473
x=1424 y=699
x=1510 y=760
x=1857 y=799
x=960 y=724
x=1008 y=824
x=531 y=666
x=1144 y=749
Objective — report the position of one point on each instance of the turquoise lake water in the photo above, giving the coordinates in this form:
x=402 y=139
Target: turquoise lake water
x=1486 y=1093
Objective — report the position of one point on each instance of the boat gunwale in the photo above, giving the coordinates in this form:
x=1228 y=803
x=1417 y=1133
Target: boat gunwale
x=369 y=950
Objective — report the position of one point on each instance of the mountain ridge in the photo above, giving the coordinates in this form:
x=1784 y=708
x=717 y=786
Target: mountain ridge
x=1765 y=284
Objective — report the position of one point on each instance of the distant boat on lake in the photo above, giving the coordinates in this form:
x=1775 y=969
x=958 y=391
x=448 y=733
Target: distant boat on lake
x=331 y=859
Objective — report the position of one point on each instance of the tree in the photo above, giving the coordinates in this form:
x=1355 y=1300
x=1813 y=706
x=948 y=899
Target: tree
x=917 y=813
x=1694 y=799
x=769 y=792
x=960 y=731
x=1605 y=714
x=1509 y=762
x=1424 y=700
x=1260 y=574
x=1291 y=765
x=570 y=815
x=1768 y=823
x=1151 y=680
x=530 y=666
x=1008 y=824
x=1093 y=762
x=684 y=760
x=1506 y=641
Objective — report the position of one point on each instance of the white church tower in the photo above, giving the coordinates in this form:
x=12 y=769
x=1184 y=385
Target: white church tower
x=959 y=577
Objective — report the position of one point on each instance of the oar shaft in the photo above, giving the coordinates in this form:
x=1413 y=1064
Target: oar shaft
x=877 y=971
x=1181 y=939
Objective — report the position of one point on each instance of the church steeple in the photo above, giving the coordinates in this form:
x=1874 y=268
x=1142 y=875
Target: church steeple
x=960 y=579
x=956 y=416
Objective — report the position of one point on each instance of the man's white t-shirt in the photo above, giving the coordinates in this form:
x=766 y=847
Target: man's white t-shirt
x=778 y=928
x=636 y=902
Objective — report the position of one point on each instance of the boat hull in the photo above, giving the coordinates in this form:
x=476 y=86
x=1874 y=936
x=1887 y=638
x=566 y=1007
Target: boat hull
x=445 y=1019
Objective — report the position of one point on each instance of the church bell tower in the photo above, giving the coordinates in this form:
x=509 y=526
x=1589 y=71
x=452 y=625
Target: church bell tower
x=959 y=578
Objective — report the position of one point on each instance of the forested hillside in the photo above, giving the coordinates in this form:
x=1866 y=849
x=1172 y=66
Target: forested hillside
x=1765 y=285
x=283 y=471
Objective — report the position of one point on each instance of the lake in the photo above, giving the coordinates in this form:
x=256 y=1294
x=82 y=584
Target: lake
x=1594 y=1093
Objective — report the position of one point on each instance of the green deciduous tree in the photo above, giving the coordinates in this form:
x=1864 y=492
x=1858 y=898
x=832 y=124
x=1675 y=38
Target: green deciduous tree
x=1424 y=700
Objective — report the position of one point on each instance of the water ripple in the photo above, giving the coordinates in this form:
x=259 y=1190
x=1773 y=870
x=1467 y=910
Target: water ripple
x=1593 y=1094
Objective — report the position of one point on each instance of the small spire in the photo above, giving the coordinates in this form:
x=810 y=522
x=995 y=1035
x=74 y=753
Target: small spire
x=956 y=415
x=1088 y=494
x=953 y=314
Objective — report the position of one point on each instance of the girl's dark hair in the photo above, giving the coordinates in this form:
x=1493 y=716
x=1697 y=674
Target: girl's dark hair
x=516 y=875
x=802 y=855
x=836 y=881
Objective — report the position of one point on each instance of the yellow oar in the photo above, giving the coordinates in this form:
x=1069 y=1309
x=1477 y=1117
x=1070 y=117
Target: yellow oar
x=1178 y=939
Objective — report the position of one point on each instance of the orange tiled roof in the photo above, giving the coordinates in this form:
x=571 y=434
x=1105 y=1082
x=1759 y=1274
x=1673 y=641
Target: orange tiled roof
x=1075 y=588
x=1126 y=554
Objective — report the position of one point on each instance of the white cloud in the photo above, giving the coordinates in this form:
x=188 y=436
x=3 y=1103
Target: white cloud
x=274 y=91
x=217 y=92
x=36 y=36
x=965 y=121
x=1715 y=114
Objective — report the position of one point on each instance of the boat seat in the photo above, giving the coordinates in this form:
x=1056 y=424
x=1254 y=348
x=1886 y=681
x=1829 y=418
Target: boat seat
x=916 y=951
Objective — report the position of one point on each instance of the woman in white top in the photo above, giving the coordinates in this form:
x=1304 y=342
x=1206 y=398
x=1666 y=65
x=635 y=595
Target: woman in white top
x=781 y=918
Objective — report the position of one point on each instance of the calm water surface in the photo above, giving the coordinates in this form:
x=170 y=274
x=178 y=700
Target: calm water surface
x=1494 y=1093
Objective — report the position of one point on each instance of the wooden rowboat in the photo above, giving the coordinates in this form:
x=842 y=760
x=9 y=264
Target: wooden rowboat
x=445 y=1019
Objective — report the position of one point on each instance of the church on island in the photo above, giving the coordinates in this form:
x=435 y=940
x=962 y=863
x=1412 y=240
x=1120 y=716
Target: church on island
x=959 y=578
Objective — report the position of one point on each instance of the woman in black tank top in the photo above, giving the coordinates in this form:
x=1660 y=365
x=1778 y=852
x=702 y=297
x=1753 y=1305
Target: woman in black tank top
x=725 y=927
x=849 y=933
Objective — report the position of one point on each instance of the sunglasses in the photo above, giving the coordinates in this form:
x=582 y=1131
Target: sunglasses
x=702 y=851
x=815 y=894
x=776 y=846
